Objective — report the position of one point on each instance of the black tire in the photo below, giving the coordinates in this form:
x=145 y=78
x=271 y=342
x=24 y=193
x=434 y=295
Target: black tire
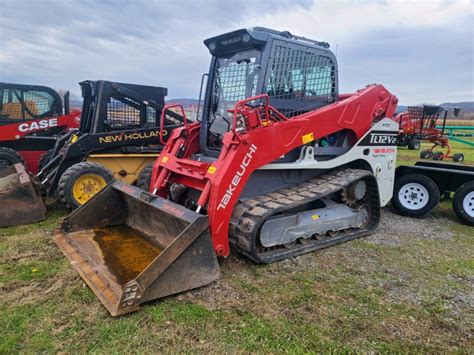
x=458 y=157
x=414 y=144
x=8 y=157
x=438 y=156
x=71 y=176
x=45 y=158
x=426 y=154
x=402 y=140
x=407 y=206
x=144 y=177
x=463 y=203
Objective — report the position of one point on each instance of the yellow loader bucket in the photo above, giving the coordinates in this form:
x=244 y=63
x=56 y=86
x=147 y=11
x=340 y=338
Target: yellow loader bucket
x=20 y=203
x=131 y=247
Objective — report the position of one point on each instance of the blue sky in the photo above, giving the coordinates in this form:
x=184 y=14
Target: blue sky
x=422 y=51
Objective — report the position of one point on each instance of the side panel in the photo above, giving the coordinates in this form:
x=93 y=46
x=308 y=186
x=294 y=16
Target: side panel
x=17 y=129
x=380 y=156
x=125 y=167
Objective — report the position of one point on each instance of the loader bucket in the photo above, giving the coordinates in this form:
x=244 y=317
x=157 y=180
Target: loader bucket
x=20 y=203
x=131 y=247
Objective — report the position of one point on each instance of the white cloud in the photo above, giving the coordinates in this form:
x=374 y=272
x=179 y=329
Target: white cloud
x=421 y=50
x=59 y=43
x=340 y=21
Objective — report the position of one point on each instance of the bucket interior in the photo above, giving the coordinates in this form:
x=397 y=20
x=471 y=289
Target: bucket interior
x=117 y=238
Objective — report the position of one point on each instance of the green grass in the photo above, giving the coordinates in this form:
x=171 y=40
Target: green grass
x=360 y=296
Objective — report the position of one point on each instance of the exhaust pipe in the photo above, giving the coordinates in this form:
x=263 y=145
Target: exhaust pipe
x=131 y=247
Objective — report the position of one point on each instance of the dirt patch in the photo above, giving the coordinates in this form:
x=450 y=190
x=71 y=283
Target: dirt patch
x=30 y=292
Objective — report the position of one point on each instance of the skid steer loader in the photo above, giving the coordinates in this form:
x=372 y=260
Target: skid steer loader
x=281 y=164
x=119 y=134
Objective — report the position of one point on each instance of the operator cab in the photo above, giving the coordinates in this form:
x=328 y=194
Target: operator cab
x=22 y=103
x=115 y=107
x=297 y=73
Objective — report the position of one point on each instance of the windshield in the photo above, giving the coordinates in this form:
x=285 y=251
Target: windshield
x=235 y=79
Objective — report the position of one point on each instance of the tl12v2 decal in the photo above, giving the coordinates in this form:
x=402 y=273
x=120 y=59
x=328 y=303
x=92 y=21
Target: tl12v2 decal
x=380 y=138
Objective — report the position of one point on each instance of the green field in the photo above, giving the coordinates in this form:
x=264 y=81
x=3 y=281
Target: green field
x=409 y=288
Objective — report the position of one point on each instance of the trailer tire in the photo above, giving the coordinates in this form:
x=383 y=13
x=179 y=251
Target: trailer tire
x=415 y=195
x=144 y=177
x=402 y=140
x=463 y=203
x=414 y=144
x=426 y=154
x=458 y=157
x=81 y=182
x=9 y=157
x=438 y=156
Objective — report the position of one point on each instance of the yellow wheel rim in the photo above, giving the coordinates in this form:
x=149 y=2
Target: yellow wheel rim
x=87 y=186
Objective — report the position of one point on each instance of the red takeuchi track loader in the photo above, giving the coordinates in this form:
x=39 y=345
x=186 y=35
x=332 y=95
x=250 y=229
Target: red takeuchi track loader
x=280 y=165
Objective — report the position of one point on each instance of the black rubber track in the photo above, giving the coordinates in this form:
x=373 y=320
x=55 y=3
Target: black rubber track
x=249 y=215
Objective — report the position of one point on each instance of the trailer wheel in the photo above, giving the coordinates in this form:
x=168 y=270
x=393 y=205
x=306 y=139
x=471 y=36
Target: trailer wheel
x=9 y=157
x=402 y=140
x=438 y=156
x=458 y=157
x=414 y=144
x=426 y=154
x=81 y=182
x=415 y=195
x=463 y=203
x=144 y=177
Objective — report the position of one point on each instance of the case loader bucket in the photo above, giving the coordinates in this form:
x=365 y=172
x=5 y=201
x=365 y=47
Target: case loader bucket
x=131 y=247
x=20 y=203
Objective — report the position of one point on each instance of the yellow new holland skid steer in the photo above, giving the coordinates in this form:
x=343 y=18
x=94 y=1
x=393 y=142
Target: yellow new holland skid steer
x=120 y=133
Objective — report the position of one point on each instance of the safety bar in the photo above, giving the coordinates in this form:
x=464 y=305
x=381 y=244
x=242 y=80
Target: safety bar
x=163 y=115
x=267 y=108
